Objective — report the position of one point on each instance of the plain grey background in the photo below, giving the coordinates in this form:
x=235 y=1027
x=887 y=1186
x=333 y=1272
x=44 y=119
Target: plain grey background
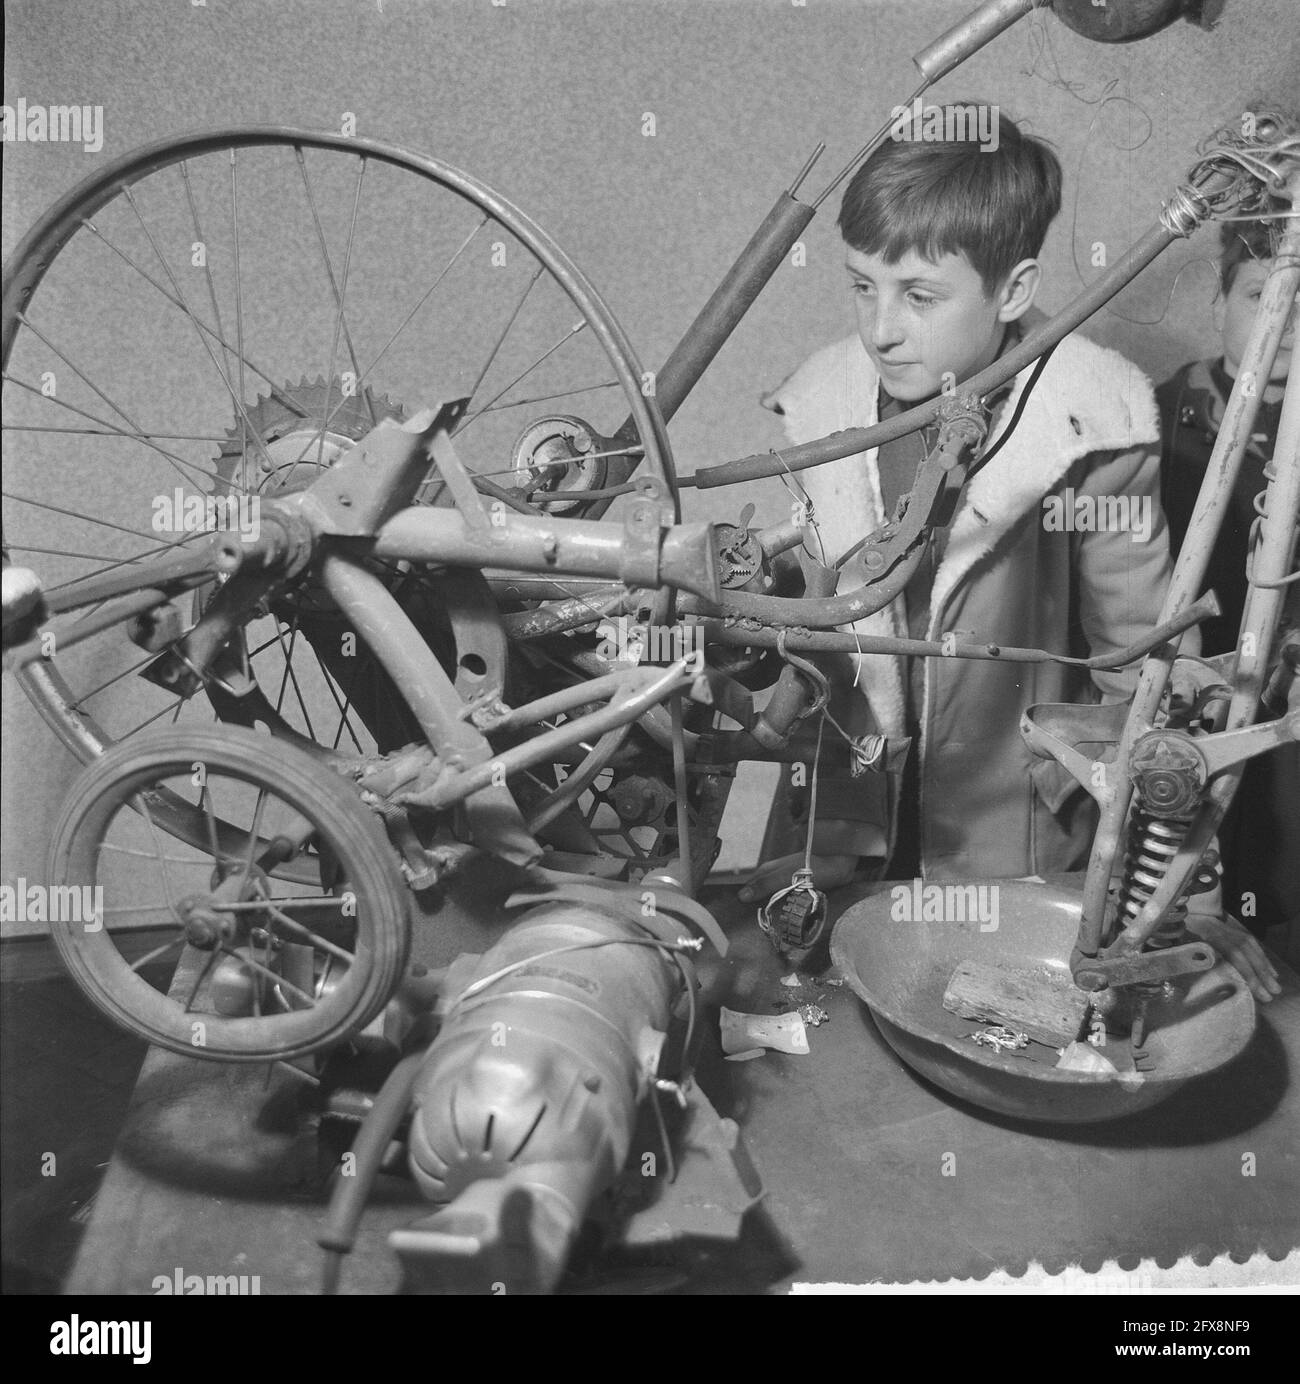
x=545 y=99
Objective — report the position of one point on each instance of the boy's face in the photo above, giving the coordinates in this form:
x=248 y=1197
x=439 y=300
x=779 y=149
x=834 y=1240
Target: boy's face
x=1239 y=306
x=920 y=319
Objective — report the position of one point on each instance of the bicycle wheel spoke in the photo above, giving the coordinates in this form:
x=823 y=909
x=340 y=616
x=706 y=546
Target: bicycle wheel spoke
x=78 y=372
x=293 y=679
x=210 y=814
x=160 y=855
x=135 y=730
x=176 y=941
x=67 y=552
x=279 y=980
x=239 y=321
x=347 y=702
x=116 y=677
x=343 y=714
x=505 y=332
x=277 y=392
x=288 y=662
x=236 y=399
x=90 y=518
x=184 y=170
x=340 y=324
x=143 y=438
x=204 y=972
x=299 y=930
x=547 y=398
x=149 y=855
x=555 y=465
x=420 y=302
x=112 y=567
x=329 y=274
x=254 y=833
x=550 y=351
x=103 y=432
x=299 y=901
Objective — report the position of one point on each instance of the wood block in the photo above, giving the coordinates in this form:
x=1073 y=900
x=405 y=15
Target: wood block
x=1041 y=1003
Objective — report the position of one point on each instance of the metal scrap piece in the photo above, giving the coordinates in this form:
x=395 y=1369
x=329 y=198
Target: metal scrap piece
x=1000 y=1038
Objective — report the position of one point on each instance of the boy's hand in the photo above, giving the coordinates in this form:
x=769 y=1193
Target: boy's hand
x=829 y=872
x=1227 y=936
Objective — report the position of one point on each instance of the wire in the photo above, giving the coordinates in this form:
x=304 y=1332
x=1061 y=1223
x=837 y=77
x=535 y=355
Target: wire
x=812 y=795
x=1039 y=366
x=803 y=500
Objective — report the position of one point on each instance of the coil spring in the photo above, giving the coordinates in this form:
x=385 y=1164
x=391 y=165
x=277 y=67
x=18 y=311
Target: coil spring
x=1152 y=844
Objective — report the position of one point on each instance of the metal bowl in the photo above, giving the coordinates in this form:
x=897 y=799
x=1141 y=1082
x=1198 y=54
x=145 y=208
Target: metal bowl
x=900 y=968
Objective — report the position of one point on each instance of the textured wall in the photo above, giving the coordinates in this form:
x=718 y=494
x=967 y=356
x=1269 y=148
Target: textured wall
x=545 y=101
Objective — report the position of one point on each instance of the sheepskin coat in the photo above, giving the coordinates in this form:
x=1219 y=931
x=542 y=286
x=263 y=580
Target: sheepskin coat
x=990 y=808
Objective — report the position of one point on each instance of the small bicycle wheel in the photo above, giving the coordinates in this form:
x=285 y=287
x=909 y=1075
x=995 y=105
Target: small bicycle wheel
x=208 y=941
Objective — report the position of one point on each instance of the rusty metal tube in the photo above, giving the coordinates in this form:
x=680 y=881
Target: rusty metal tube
x=853 y=440
x=969 y=35
x=1277 y=301
x=684 y=556
x=717 y=319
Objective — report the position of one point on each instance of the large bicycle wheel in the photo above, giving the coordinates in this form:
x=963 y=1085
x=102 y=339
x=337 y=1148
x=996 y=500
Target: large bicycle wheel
x=205 y=945
x=214 y=319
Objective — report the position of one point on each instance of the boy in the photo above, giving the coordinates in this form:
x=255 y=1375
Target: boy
x=942 y=241
x=1261 y=877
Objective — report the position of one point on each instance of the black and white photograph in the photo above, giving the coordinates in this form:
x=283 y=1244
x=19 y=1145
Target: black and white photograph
x=651 y=649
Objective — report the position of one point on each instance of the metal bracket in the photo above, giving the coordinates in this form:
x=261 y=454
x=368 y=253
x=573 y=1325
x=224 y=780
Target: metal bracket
x=459 y=483
x=1133 y=968
x=382 y=473
x=642 y=529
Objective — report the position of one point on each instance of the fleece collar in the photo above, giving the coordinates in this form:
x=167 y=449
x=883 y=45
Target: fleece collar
x=1088 y=399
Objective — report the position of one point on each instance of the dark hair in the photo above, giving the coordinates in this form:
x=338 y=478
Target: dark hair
x=938 y=197
x=1245 y=240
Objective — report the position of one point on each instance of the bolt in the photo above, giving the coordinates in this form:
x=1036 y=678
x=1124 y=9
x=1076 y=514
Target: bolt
x=346 y=501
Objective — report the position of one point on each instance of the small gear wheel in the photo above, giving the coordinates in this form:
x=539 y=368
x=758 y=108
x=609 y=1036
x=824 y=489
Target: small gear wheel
x=303 y=429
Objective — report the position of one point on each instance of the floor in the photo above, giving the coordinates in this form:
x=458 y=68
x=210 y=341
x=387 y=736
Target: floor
x=870 y=1175
x=66 y=1078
